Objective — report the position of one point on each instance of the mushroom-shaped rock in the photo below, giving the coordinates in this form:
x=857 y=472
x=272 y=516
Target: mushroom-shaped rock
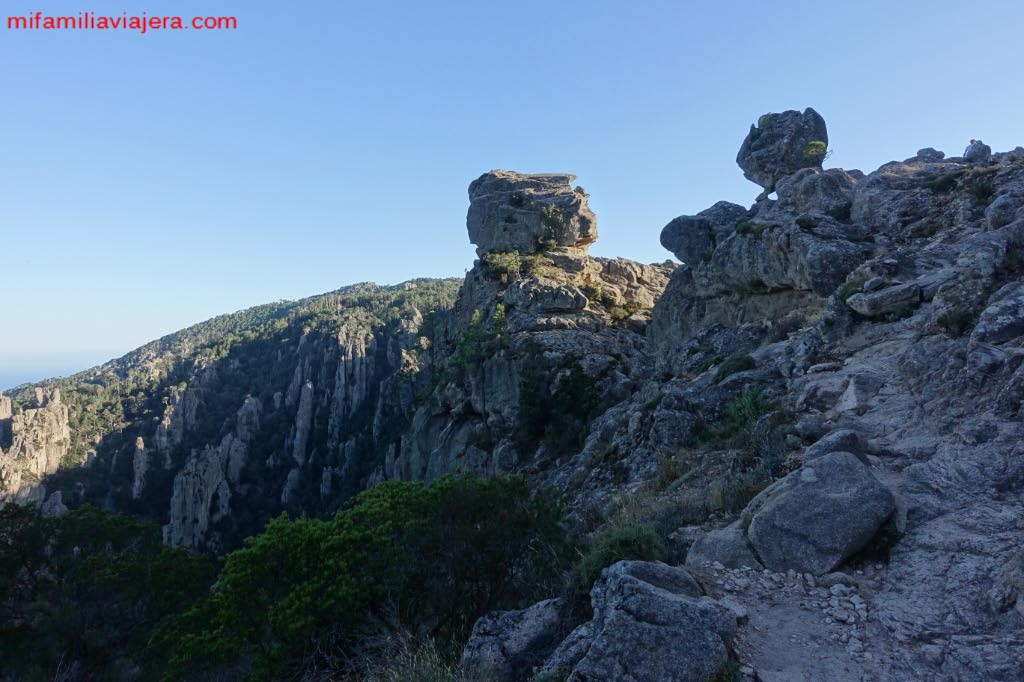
x=781 y=144
x=692 y=239
x=511 y=211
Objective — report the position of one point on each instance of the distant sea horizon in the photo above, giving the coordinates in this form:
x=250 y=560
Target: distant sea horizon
x=13 y=376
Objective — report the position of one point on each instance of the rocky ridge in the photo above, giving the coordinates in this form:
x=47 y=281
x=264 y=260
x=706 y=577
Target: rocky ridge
x=821 y=408
x=881 y=313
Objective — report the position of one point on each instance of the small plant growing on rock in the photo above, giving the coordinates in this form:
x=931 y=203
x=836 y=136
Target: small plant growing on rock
x=637 y=542
x=807 y=222
x=925 y=228
x=851 y=286
x=553 y=221
x=956 y=322
x=840 y=212
x=737 y=362
x=504 y=265
x=942 y=183
x=747 y=226
x=816 y=151
x=747 y=408
x=981 y=187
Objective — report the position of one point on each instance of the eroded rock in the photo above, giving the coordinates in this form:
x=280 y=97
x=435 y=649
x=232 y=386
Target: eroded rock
x=511 y=211
x=650 y=625
x=781 y=144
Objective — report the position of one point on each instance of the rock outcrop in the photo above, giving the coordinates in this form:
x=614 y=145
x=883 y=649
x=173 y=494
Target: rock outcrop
x=32 y=444
x=506 y=646
x=651 y=624
x=202 y=490
x=533 y=307
x=511 y=211
x=781 y=144
x=824 y=401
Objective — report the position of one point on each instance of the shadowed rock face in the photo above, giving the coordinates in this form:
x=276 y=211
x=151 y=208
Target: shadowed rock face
x=511 y=211
x=780 y=145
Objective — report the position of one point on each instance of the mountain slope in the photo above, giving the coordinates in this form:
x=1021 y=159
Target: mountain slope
x=820 y=411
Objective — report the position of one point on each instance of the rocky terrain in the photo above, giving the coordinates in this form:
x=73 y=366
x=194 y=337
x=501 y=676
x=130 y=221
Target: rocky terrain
x=819 y=409
x=891 y=550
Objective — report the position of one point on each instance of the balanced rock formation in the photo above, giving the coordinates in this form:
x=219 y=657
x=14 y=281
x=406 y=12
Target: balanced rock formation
x=781 y=144
x=533 y=309
x=511 y=211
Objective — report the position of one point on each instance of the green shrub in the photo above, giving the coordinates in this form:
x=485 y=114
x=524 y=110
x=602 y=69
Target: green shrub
x=806 y=222
x=841 y=212
x=617 y=544
x=538 y=265
x=618 y=314
x=981 y=188
x=956 y=322
x=554 y=224
x=851 y=286
x=89 y=589
x=311 y=593
x=941 y=183
x=747 y=408
x=748 y=226
x=737 y=362
x=925 y=228
x=504 y=265
x=556 y=405
x=593 y=292
x=816 y=151
x=479 y=341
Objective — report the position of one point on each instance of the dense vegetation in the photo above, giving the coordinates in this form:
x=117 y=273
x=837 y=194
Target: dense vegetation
x=83 y=596
x=96 y=596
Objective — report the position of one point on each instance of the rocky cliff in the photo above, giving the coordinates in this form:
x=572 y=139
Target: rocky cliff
x=819 y=409
x=33 y=442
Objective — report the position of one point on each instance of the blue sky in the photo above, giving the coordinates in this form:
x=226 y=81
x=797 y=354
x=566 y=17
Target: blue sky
x=148 y=182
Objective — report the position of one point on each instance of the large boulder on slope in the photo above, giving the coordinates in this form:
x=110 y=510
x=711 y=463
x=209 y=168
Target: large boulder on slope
x=818 y=516
x=505 y=646
x=650 y=625
x=780 y=145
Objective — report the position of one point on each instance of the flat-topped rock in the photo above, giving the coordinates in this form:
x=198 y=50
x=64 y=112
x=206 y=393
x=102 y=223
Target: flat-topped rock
x=511 y=211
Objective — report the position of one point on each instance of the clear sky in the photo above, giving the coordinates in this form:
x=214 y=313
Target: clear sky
x=148 y=182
